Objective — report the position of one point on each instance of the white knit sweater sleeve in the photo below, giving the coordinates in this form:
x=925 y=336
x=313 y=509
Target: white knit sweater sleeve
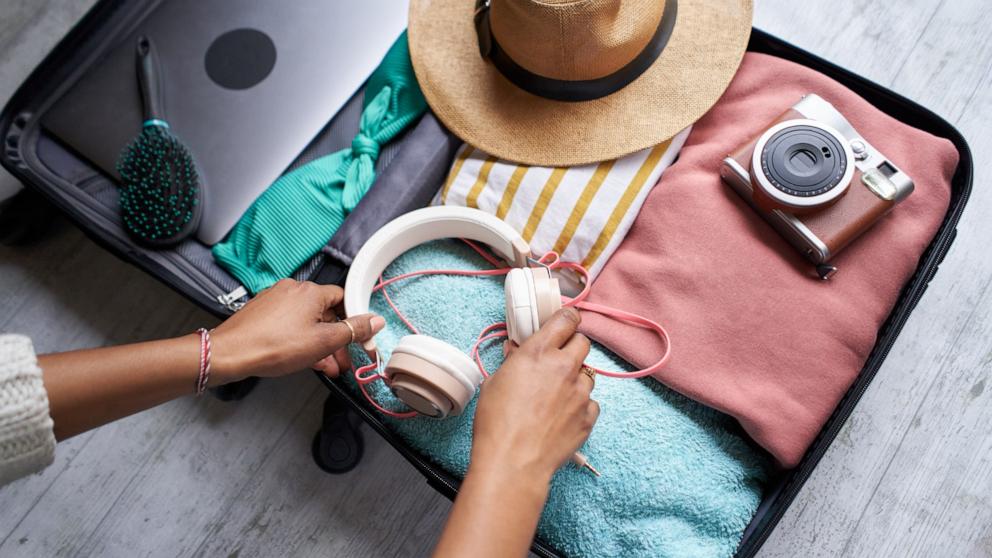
x=27 y=438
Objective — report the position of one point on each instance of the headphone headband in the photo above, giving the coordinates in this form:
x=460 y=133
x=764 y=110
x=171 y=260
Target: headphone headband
x=423 y=225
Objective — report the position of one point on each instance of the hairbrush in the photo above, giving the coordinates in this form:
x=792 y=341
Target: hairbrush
x=160 y=196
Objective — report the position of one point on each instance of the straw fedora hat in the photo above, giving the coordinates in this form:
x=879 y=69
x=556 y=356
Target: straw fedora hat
x=569 y=82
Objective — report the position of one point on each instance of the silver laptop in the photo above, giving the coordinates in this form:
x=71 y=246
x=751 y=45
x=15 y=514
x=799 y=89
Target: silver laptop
x=246 y=85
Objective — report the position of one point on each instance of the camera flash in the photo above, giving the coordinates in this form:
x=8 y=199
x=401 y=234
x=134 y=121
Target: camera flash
x=879 y=184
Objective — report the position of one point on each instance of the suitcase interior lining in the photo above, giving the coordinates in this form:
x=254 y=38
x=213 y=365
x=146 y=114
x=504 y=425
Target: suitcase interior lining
x=101 y=194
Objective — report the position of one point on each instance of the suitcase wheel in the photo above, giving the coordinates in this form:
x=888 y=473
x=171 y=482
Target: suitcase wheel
x=338 y=445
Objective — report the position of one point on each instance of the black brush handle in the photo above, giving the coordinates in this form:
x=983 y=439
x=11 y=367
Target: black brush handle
x=148 y=80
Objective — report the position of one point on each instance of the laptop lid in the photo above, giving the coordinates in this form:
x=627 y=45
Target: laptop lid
x=246 y=86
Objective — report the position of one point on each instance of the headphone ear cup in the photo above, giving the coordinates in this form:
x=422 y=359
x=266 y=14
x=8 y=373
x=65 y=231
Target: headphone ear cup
x=521 y=306
x=532 y=296
x=431 y=376
x=547 y=294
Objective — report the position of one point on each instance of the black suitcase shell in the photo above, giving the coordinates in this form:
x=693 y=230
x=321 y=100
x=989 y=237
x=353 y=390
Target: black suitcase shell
x=54 y=171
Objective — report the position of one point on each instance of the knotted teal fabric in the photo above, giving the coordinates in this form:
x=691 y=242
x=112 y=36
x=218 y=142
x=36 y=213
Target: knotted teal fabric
x=296 y=216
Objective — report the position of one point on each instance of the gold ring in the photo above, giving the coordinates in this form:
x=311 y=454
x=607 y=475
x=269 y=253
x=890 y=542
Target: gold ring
x=589 y=372
x=351 y=329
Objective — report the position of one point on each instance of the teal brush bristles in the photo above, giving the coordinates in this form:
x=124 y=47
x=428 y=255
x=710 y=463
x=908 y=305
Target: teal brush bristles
x=160 y=188
x=160 y=193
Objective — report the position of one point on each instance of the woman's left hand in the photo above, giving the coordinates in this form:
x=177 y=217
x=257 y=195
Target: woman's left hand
x=285 y=328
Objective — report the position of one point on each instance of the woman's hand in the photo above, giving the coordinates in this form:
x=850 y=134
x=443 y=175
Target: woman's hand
x=285 y=328
x=532 y=416
x=535 y=411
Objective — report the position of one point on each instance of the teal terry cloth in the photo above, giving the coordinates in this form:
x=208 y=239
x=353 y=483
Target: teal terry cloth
x=296 y=216
x=679 y=479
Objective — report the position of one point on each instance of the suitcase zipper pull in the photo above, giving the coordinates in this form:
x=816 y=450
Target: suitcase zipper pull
x=230 y=300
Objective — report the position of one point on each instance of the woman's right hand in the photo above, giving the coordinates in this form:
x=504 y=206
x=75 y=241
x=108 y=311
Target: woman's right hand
x=535 y=411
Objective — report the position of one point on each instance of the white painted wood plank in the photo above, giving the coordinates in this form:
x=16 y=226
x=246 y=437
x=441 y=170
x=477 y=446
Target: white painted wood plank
x=869 y=37
x=382 y=508
x=20 y=497
x=28 y=30
x=170 y=480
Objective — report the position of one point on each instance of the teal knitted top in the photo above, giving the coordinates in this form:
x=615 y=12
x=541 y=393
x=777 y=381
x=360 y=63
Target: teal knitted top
x=296 y=216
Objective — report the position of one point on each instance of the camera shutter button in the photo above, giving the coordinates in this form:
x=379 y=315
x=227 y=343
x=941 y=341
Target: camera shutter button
x=860 y=149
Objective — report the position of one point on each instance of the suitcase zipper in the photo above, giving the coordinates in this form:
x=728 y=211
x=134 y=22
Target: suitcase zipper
x=231 y=300
x=105 y=218
x=194 y=276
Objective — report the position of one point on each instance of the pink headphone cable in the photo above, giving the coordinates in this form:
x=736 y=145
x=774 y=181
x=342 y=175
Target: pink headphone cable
x=498 y=330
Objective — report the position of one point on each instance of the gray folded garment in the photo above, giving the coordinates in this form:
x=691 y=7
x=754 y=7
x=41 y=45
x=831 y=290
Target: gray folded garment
x=415 y=170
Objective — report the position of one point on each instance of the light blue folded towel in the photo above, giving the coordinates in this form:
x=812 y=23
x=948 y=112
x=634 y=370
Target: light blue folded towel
x=679 y=479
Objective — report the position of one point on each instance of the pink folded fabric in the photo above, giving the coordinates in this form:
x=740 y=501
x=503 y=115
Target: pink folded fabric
x=754 y=333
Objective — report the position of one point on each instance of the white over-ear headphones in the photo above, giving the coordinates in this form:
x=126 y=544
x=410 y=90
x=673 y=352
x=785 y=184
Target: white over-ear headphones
x=431 y=376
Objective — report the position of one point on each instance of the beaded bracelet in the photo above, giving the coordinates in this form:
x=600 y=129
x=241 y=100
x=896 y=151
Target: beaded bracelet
x=204 y=375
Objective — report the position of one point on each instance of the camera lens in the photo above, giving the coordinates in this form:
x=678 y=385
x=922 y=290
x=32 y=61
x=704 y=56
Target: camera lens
x=804 y=161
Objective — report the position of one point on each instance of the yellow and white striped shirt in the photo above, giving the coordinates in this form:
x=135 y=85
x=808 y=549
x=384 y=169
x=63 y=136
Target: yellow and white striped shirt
x=583 y=212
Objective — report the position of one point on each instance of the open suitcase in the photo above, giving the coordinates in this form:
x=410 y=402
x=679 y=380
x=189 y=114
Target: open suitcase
x=89 y=198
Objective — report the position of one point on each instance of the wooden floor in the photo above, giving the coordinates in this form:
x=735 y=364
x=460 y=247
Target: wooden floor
x=909 y=475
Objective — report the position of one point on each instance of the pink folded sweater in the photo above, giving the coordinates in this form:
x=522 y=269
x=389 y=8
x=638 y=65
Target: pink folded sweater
x=754 y=333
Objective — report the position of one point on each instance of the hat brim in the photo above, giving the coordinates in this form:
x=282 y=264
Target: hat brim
x=473 y=99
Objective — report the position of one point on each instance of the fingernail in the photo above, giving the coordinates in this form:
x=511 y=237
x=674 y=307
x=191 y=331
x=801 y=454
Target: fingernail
x=571 y=313
x=377 y=323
